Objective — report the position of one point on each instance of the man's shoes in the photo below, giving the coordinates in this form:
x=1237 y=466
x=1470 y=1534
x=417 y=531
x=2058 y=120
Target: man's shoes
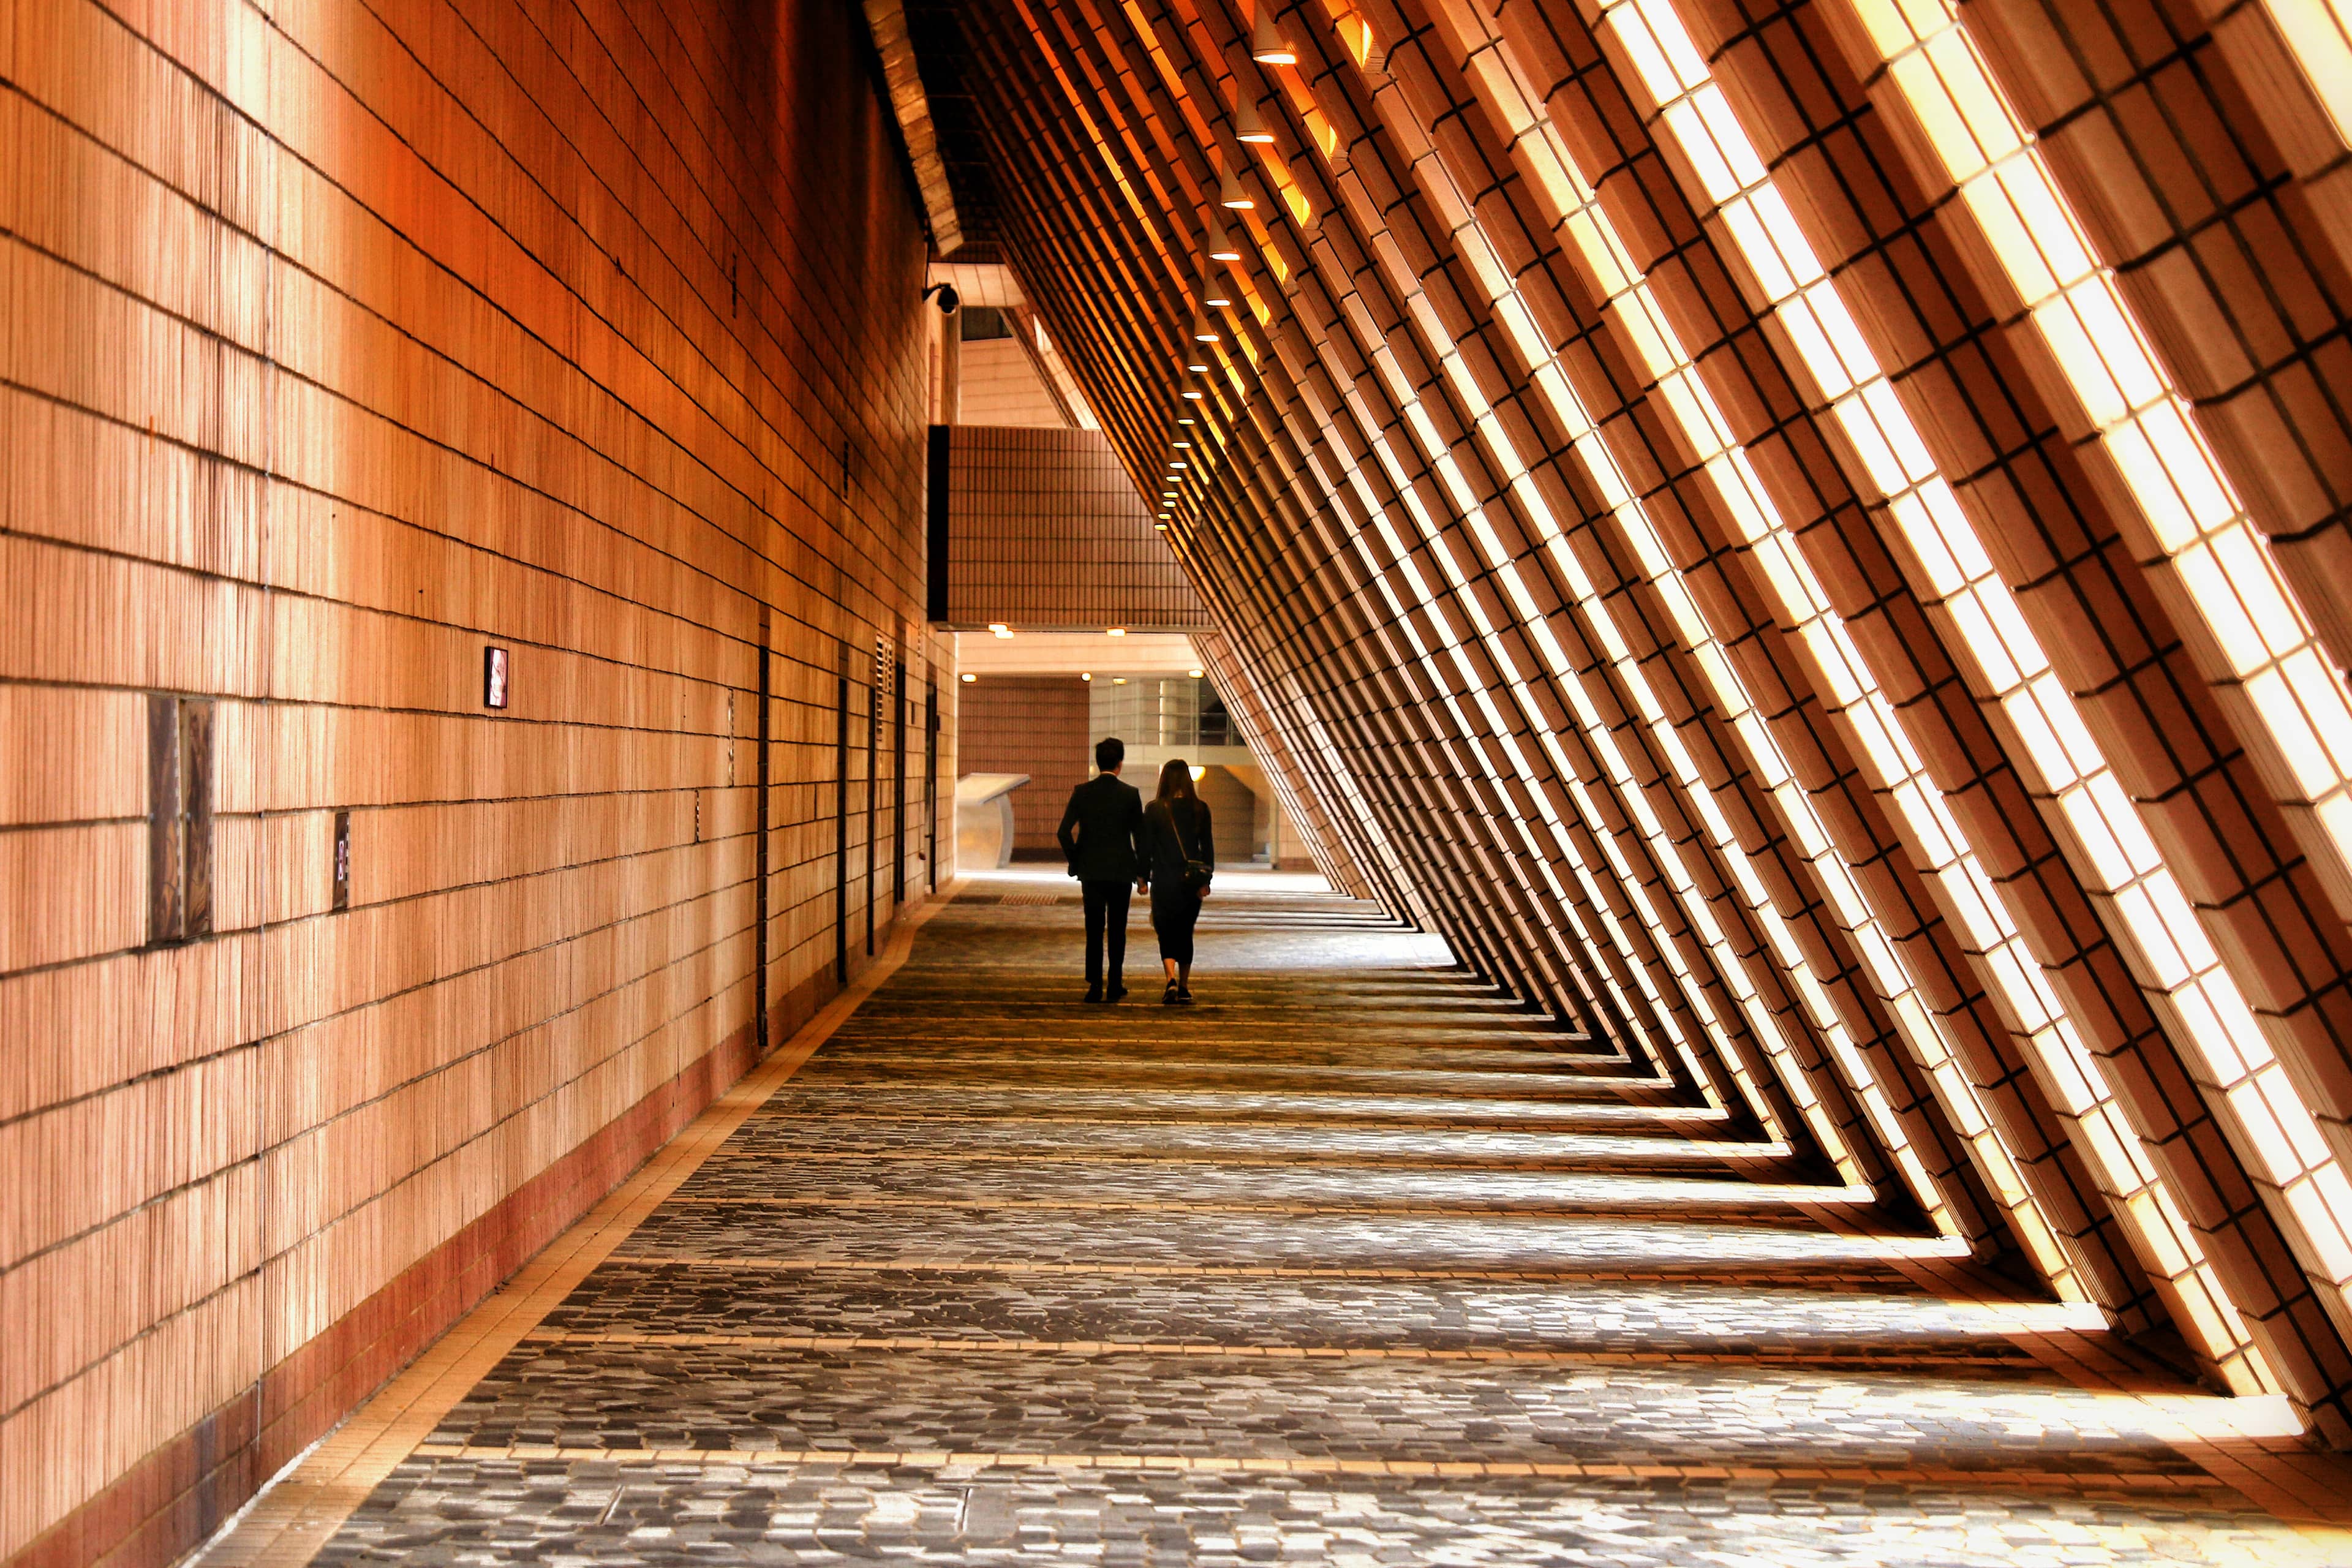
x=1168 y=998
x=1094 y=994
x=1184 y=996
x=1115 y=992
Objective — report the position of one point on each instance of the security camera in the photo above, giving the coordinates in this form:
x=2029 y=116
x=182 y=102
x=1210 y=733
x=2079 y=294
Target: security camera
x=948 y=298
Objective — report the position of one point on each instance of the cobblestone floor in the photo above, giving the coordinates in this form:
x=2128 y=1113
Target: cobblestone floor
x=1348 y=1264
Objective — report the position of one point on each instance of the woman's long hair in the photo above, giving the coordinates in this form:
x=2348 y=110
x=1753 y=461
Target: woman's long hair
x=1175 y=781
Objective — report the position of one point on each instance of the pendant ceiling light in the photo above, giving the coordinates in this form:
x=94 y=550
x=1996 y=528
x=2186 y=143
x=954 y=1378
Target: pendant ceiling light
x=1250 y=126
x=1231 y=194
x=1221 y=245
x=1266 y=45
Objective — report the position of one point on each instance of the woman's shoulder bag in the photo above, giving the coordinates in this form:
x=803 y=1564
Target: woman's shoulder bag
x=1197 y=871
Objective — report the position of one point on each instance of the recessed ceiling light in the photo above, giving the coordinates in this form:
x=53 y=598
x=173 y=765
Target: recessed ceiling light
x=1117 y=631
x=968 y=679
x=1193 y=673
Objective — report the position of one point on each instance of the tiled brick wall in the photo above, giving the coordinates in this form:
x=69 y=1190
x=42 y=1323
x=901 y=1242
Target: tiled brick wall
x=342 y=342
x=1034 y=724
x=998 y=385
x=1047 y=530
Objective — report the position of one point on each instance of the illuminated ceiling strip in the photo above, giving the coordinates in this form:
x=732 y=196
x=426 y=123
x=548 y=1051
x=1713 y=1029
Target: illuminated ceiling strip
x=2319 y=36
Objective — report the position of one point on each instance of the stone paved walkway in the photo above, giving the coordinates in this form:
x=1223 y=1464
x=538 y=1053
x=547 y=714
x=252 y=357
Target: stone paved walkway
x=1348 y=1264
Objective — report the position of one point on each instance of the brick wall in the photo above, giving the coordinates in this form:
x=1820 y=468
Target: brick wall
x=1000 y=387
x=1233 y=814
x=1047 y=530
x=1034 y=724
x=343 y=346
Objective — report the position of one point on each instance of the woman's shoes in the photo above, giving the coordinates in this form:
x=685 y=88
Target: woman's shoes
x=1171 y=996
x=1184 y=996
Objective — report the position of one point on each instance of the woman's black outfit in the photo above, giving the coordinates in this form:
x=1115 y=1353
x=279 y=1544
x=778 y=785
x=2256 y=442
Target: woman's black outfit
x=1176 y=831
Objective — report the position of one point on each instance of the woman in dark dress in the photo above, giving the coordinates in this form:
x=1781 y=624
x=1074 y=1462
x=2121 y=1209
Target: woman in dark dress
x=1176 y=831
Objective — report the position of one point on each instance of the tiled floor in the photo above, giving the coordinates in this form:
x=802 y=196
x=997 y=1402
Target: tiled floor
x=1347 y=1264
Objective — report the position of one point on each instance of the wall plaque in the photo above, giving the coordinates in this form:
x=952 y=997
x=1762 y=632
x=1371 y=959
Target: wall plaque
x=494 y=678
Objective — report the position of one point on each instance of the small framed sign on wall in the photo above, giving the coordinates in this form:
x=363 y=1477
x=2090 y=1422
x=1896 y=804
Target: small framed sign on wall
x=495 y=685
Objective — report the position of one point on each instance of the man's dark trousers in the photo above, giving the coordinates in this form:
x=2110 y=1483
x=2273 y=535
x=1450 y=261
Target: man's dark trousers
x=1106 y=902
x=1099 y=833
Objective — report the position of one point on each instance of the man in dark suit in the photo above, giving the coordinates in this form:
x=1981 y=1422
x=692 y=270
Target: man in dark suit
x=1099 y=833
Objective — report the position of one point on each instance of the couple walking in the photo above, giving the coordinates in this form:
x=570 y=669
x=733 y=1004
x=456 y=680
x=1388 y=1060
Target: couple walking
x=1112 y=838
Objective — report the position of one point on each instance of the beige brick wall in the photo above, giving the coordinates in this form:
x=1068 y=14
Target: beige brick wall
x=1034 y=724
x=1047 y=530
x=1000 y=387
x=343 y=345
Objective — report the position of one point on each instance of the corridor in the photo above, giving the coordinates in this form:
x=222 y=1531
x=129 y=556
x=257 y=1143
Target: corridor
x=1350 y=1263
